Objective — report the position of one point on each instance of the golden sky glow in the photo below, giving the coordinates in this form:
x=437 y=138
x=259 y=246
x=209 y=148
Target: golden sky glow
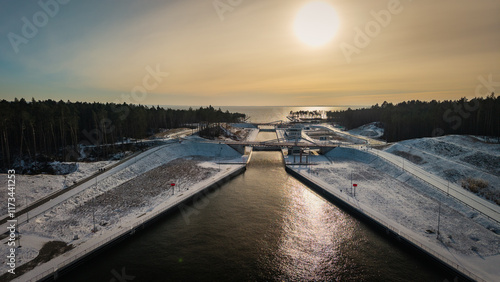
x=316 y=23
x=248 y=52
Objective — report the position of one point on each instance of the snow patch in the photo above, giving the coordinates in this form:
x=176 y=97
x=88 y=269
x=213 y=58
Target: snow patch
x=372 y=130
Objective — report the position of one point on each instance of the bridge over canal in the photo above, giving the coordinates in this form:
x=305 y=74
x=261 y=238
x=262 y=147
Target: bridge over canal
x=276 y=145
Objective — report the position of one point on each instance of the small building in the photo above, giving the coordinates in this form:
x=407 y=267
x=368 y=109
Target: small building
x=294 y=132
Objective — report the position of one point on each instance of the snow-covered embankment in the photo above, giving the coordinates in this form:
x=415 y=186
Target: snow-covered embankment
x=410 y=208
x=127 y=198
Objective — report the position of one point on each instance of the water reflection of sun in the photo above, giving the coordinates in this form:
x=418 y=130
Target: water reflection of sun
x=312 y=234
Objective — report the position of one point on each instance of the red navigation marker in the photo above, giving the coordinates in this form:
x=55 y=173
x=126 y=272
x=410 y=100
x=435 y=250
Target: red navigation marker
x=173 y=184
x=355 y=185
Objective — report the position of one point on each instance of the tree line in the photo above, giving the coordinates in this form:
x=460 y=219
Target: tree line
x=416 y=119
x=31 y=129
x=307 y=114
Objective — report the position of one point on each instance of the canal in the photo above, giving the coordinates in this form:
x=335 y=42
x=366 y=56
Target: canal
x=263 y=225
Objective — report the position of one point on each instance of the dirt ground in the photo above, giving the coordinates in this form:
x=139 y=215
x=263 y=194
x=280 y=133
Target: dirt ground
x=139 y=191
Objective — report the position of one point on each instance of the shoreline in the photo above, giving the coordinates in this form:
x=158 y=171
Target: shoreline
x=462 y=265
x=49 y=273
x=205 y=158
x=321 y=177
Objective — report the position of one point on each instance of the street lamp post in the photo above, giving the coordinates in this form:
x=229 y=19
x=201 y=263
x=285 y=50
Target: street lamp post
x=351 y=183
x=93 y=216
x=27 y=212
x=93 y=208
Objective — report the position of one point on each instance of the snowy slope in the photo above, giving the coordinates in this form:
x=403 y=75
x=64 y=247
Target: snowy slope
x=353 y=138
x=371 y=130
x=455 y=158
x=411 y=206
x=120 y=196
x=30 y=188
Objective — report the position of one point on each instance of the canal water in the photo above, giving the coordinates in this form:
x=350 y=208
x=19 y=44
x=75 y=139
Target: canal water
x=261 y=226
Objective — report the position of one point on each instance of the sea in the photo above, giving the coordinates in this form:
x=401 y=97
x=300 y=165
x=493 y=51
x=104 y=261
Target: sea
x=264 y=114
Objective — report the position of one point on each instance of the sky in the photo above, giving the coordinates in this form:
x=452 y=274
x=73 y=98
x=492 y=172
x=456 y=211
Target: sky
x=248 y=52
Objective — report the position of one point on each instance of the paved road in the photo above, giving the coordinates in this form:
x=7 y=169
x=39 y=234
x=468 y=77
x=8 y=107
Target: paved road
x=47 y=198
x=483 y=206
x=62 y=195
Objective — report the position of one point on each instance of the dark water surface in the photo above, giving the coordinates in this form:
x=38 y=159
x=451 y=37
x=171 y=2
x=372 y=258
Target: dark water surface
x=261 y=226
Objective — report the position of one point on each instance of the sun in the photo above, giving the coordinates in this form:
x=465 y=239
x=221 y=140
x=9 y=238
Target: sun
x=316 y=23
